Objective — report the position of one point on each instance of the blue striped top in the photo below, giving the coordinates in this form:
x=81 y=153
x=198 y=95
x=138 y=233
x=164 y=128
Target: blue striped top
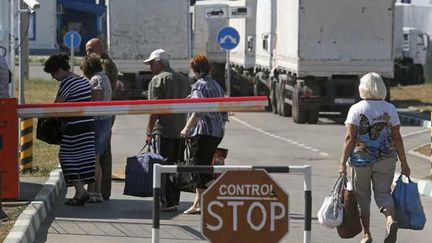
x=75 y=89
x=210 y=123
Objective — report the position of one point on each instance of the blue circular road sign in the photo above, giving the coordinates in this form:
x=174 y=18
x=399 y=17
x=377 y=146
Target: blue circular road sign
x=228 y=38
x=72 y=38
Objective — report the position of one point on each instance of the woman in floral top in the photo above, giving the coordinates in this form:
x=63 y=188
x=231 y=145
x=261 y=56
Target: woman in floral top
x=372 y=145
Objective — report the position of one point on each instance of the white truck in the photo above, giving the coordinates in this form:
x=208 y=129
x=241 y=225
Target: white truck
x=311 y=54
x=410 y=56
x=242 y=58
x=411 y=42
x=208 y=19
x=138 y=27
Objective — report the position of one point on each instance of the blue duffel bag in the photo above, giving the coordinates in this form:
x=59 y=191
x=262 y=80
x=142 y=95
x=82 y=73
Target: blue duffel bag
x=139 y=173
x=408 y=207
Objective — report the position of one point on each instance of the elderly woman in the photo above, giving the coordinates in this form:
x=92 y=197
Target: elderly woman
x=205 y=130
x=372 y=145
x=77 y=148
x=91 y=66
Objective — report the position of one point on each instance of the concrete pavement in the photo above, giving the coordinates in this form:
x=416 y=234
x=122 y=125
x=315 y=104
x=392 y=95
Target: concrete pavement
x=122 y=218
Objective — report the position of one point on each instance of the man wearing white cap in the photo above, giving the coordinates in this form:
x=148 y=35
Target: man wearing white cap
x=167 y=84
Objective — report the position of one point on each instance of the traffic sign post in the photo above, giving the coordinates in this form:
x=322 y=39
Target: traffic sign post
x=228 y=38
x=71 y=40
x=245 y=206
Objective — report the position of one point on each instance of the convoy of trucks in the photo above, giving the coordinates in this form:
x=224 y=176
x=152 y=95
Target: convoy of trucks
x=308 y=56
x=314 y=53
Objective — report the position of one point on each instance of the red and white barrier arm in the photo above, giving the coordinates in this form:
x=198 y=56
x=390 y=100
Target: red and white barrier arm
x=128 y=107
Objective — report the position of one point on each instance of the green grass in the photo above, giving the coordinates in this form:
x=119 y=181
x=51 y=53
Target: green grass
x=45 y=156
x=6 y=226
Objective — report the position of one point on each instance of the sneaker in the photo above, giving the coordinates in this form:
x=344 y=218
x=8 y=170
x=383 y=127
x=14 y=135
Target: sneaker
x=173 y=208
x=391 y=232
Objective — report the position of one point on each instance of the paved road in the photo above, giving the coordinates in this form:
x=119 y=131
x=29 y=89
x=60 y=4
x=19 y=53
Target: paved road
x=253 y=139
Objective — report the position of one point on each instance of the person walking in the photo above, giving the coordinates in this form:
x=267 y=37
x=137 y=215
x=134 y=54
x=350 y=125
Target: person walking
x=101 y=91
x=371 y=147
x=167 y=84
x=95 y=46
x=77 y=149
x=4 y=78
x=205 y=130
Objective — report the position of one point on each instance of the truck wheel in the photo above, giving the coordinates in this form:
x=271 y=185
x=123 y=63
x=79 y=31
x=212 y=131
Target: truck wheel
x=420 y=74
x=279 y=99
x=313 y=116
x=285 y=108
x=273 y=98
x=413 y=75
x=299 y=114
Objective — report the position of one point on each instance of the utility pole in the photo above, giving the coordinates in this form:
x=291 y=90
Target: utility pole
x=12 y=47
x=23 y=49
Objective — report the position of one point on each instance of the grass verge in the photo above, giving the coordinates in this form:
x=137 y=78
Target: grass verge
x=417 y=97
x=13 y=213
x=45 y=157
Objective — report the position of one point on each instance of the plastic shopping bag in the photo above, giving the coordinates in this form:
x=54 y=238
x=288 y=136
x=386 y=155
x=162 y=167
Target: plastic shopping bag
x=409 y=210
x=330 y=214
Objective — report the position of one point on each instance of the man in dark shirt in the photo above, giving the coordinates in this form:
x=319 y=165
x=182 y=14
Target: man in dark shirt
x=167 y=84
x=95 y=46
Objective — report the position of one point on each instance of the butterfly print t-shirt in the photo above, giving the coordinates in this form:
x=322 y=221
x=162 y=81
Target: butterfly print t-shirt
x=374 y=120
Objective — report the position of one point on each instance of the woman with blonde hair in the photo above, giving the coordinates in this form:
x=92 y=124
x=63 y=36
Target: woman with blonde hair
x=372 y=146
x=91 y=66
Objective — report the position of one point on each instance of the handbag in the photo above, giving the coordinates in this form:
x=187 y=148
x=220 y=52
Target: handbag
x=330 y=214
x=219 y=159
x=351 y=225
x=50 y=130
x=139 y=172
x=185 y=181
x=409 y=210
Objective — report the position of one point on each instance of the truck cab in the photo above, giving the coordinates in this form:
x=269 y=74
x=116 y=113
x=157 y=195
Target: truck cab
x=414 y=45
x=410 y=56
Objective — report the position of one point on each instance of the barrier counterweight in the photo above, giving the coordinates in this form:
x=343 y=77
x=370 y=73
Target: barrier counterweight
x=306 y=170
x=26 y=144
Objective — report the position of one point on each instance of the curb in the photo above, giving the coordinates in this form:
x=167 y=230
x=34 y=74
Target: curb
x=414 y=121
x=30 y=220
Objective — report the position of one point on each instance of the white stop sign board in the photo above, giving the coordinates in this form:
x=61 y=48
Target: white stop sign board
x=245 y=206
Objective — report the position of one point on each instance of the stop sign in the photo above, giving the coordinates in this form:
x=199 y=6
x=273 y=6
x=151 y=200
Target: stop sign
x=244 y=206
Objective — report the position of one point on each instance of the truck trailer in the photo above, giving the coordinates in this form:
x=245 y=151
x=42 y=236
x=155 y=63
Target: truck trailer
x=135 y=28
x=310 y=55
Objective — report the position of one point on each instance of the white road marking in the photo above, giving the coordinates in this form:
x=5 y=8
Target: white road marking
x=278 y=137
x=414 y=133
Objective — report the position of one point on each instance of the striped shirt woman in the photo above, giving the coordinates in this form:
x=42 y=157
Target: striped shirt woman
x=77 y=149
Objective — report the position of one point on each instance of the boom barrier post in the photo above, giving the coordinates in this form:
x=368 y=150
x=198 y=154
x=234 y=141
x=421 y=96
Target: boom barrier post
x=306 y=170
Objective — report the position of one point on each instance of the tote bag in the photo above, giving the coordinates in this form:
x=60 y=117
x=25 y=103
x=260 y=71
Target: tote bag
x=351 y=225
x=330 y=214
x=409 y=209
x=50 y=130
x=139 y=173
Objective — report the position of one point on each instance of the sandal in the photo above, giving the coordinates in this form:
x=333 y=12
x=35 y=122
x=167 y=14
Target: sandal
x=78 y=201
x=193 y=210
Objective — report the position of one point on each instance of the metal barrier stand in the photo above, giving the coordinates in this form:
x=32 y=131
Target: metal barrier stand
x=158 y=169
